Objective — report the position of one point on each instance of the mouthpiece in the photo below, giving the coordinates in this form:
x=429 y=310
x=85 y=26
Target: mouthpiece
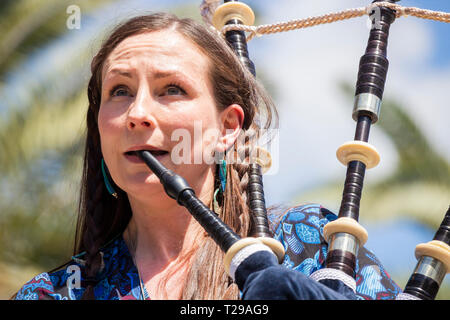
x=177 y=188
x=174 y=185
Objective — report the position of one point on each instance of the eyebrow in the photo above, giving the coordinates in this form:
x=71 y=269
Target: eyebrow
x=166 y=74
x=156 y=75
x=120 y=72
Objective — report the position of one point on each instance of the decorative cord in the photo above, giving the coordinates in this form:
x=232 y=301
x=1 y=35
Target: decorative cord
x=208 y=7
x=406 y=296
x=334 y=274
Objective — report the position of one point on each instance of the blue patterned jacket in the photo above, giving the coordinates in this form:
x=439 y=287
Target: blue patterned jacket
x=299 y=229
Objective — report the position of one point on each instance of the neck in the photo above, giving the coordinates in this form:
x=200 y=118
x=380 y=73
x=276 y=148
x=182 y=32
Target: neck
x=160 y=237
x=161 y=233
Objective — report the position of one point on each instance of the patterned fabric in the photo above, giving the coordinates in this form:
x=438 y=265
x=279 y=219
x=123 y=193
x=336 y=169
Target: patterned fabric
x=117 y=279
x=299 y=229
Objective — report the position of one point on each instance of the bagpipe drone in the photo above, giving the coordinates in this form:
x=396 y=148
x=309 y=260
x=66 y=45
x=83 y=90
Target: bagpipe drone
x=253 y=262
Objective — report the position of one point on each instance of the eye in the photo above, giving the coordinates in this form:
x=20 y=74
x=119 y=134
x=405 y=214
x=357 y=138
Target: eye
x=173 y=90
x=119 y=91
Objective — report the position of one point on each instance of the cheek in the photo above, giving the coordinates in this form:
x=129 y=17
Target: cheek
x=210 y=140
x=109 y=128
x=108 y=122
x=205 y=135
x=193 y=139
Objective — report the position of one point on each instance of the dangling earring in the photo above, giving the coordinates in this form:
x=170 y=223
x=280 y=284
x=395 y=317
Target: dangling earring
x=223 y=174
x=106 y=180
x=217 y=208
x=223 y=183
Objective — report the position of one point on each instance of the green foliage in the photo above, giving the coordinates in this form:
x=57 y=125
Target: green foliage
x=28 y=25
x=42 y=141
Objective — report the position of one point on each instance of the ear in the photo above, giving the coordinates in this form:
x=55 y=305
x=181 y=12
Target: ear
x=231 y=119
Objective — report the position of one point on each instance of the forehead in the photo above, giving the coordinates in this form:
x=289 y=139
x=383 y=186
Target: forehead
x=166 y=49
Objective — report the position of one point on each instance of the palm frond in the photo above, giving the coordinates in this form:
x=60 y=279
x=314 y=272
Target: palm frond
x=27 y=135
x=29 y=25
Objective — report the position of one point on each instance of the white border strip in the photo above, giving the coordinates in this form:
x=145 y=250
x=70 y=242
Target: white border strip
x=334 y=274
x=244 y=253
x=406 y=296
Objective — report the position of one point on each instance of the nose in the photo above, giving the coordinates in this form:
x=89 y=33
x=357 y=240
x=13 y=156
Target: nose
x=139 y=114
x=132 y=124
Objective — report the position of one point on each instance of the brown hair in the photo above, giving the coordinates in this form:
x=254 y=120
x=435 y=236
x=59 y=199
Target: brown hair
x=232 y=83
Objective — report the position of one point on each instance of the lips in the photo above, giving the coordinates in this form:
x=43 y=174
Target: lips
x=132 y=156
x=153 y=152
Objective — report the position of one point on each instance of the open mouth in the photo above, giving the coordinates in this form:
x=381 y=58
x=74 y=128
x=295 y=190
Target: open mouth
x=133 y=156
x=153 y=152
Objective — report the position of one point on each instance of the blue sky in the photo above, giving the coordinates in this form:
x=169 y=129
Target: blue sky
x=441 y=54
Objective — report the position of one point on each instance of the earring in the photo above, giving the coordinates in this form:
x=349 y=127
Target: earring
x=217 y=208
x=223 y=174
x=223 y=182
x=106 y=180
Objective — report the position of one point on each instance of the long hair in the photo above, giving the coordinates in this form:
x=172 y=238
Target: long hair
x=101 y=216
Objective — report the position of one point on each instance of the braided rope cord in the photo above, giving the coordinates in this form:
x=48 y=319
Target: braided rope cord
x=209 y=6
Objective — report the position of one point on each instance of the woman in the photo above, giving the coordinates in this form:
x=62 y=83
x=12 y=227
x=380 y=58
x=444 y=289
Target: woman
x=154 y=76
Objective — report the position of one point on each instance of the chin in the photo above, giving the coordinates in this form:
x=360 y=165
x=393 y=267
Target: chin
x=141 y=183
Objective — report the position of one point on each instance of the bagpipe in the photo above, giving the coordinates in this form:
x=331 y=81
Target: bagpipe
x=254 y=262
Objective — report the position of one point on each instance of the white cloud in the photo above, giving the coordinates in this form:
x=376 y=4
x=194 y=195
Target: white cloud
x=315 y=119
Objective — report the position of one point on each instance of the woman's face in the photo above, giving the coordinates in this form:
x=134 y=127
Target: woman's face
x=156 y=95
